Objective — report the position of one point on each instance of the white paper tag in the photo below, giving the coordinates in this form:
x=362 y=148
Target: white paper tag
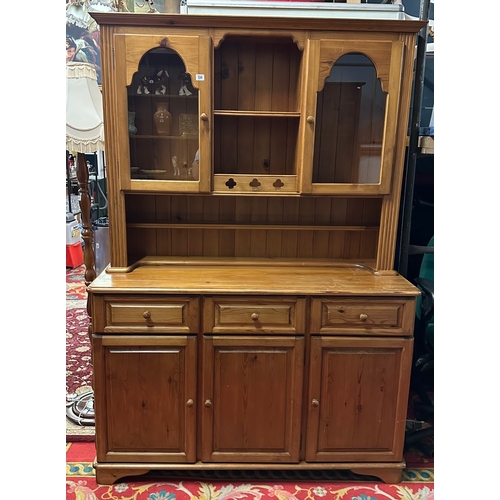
x=200 y=77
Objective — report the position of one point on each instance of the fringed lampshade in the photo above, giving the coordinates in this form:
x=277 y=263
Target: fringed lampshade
x=84 y=117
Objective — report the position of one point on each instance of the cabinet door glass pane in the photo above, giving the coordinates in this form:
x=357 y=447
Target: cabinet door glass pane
x=350 y=115
x=163 y=119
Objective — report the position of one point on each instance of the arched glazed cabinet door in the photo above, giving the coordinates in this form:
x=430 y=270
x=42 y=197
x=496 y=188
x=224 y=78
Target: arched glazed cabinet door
x=349 y=127
x=163 y=84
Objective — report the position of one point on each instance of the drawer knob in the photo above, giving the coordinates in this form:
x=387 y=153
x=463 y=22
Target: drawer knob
x=208 y=403
x=315 y=402
x=255 y=316
x=363 y=317
x=146 y=315
x=189 y=402
x=310 y=119
x=204 y=117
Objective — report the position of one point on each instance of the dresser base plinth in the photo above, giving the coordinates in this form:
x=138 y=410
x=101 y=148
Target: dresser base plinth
x=110 y=473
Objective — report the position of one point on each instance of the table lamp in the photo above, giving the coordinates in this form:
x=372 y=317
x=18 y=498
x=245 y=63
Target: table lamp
x=84 y=134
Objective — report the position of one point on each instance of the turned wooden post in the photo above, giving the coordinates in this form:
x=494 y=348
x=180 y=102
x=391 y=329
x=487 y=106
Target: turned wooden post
x=82 y=174
x=87 y=232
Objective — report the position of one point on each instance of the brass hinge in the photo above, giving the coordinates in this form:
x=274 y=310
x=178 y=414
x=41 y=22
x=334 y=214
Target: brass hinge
x=113 y=57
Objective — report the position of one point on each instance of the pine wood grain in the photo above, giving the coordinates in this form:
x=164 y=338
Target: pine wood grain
x=265 y=279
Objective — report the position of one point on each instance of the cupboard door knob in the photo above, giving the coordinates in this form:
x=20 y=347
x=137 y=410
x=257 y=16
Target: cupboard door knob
x=204 y=117
x=315 y=402
x=363 y=317
x=310 y=119
x=255 y=316
x=208 y=403
x=146 y=315
x=190 y=403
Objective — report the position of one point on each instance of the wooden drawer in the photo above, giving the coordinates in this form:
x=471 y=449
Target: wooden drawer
x=148 y=314
x=363 y=316
x=254 y=315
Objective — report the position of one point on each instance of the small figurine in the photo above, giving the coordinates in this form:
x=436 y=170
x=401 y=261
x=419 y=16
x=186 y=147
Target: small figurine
x=184 y=81
x=176 y=167
x=161 y=89
x=195 y=165
x=161 y=82
x=145 y=85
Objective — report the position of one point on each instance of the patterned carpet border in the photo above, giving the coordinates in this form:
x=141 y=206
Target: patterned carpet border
x=87 y=489
x=417 y=483
x=81 y=484
x=75 y=283
x=86 y=469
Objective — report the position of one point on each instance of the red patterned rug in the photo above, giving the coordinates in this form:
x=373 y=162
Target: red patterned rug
x=78 y=366
x=78 y=350
x=417 y=484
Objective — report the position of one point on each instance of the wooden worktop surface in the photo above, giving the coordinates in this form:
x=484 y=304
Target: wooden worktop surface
x=234 y=278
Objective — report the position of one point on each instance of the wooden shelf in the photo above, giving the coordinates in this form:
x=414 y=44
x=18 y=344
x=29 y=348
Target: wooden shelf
x=158 y=265
x=258 y=114
x=165 y=96
x=166 y=137
x=232 y=226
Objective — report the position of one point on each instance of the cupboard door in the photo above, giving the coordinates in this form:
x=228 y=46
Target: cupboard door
x=357 y=399
x=164 y=108
x=145 y=394
x=252 y=389
x=352 y=101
